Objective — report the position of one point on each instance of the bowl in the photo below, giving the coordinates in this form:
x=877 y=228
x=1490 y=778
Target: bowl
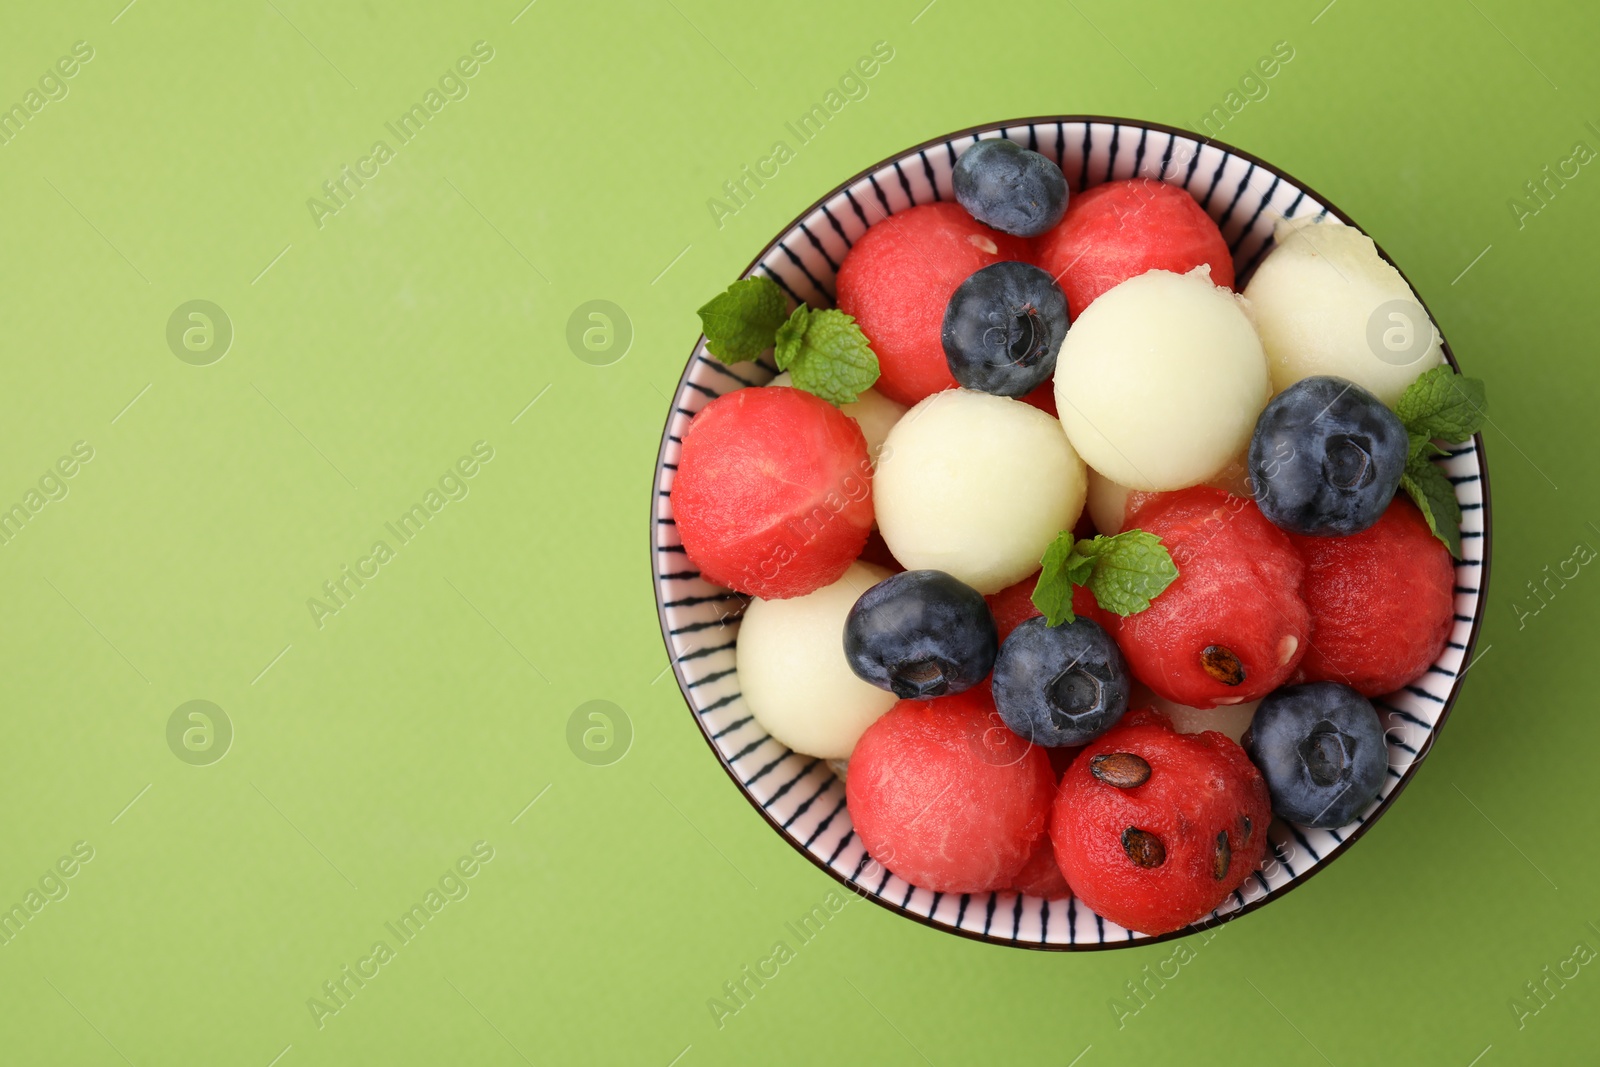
x=799 y=796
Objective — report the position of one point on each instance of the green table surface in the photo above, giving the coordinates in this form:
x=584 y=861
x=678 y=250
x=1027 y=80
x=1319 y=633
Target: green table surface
x=381 y=333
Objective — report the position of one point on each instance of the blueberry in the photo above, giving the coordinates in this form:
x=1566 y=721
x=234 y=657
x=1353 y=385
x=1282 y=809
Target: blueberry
x=1060 y=685
x=1003 y=329
x=1326 y=457
x=1005 y=186
x=1322 y=751
x=921 y=634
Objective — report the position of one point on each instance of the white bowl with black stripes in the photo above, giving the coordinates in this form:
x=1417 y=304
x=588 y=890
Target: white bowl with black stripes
x=798 y=795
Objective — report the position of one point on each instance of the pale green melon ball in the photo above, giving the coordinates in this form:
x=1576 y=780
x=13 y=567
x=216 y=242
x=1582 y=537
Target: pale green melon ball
x=1325 y=302
x=793 y=672
x=976 y=486
x=1107 y=502
x=1230 y=719
x=1160 y=380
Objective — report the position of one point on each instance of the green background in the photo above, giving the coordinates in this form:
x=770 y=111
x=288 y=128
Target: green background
x=371 y=753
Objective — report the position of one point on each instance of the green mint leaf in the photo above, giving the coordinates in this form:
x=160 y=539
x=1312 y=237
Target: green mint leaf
x=1052 y=594
x=1124 y=572
x=833 y=359
x=1443 y=405
x=1080 y=567
x=790 y=335
x=1424 y=447
x=1435 y=497
x=1131 y=569
x=742 y=322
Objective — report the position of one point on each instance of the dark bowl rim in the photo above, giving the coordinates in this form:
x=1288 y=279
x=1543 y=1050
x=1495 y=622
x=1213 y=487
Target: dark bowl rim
x=1207 y=922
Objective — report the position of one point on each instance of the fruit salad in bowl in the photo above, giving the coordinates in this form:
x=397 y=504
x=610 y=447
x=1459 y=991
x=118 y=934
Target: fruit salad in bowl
x=1069 y=533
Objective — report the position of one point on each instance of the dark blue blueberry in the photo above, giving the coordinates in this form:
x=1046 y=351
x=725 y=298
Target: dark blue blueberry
x=1326 y=457
x=1322 y=751
x=921 y=634
x=1003 y=329
x=1060 y=685
x=1003 y=185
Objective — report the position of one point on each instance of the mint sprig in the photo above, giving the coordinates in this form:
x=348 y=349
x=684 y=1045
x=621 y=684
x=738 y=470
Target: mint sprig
x=1124 y=571
x=741 y=322
x=1435 y=497
x=1441 y=405
x=791 y=335
x=825 y=352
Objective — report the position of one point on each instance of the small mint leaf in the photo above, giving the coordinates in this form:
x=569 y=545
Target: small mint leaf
x=1124 y=572
x=1052 y=593
x=742 y=322
x=1080 y=568
x=834 y=360
x=790 y=334
x=1443 y=405
x=1424 y=447
x=1131 y=569
x=1435 y=497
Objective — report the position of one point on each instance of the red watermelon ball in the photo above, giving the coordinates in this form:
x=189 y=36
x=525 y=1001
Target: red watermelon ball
x=1153 y=828
x=1122 y=229
x=773 y=494
x=1041 y=876
x=1232 y=626
x=1382 y=602
x=898 y=278
x=946 y=797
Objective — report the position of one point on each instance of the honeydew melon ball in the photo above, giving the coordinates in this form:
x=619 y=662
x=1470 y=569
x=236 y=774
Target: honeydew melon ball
x=1230 y=719
x=1160 y=380
x=1108 y=503
x=875 y=413
x=792 y=670
x=1326 y=302
x=1112 y=506
x=1226 y=719
x=977 y=486
x=1234 y=477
